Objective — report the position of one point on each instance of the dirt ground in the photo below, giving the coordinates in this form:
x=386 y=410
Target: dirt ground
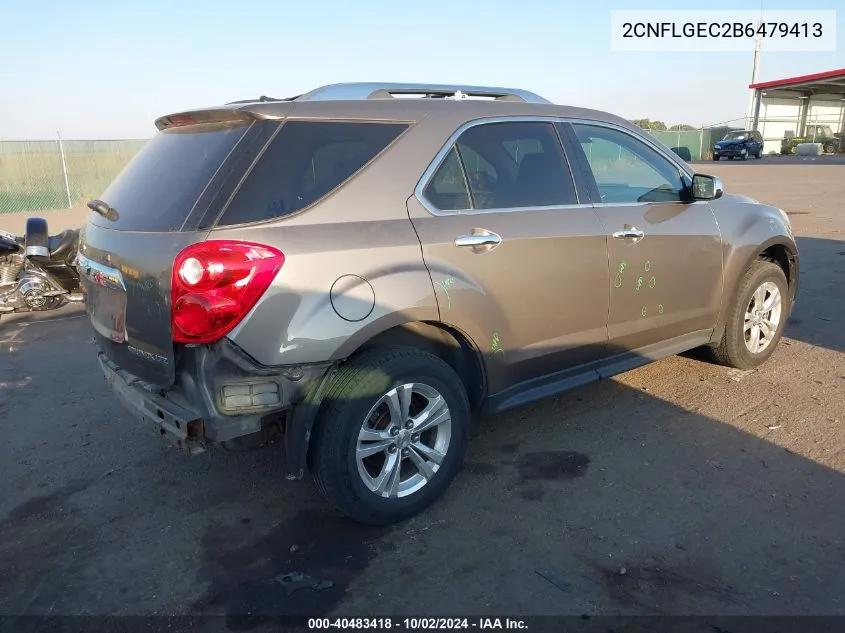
x=57 y=221
x=678 y=488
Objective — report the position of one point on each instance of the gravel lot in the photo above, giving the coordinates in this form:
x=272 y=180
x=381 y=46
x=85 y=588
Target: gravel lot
x=678 y=488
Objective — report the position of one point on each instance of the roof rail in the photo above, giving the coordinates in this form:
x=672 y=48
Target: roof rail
x=361 y=91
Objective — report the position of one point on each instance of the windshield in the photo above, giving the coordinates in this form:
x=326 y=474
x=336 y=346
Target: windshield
x=735 y=136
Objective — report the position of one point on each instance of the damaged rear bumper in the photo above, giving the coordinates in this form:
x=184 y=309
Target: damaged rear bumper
x=200 y=410
x=181 y=426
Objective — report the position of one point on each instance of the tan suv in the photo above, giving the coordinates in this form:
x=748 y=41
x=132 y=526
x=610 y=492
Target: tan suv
x=359 y=270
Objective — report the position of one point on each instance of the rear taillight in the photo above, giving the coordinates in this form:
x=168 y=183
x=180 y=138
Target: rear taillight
x=215 y=284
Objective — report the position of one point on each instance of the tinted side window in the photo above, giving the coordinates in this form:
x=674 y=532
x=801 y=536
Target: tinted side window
x=521 y=165
x=475 y=163
x=447 y=190
x=626 y=169
x=519 y=148
x=304 y=162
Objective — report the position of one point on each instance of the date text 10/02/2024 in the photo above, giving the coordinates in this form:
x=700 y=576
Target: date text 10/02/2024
x=418 y=624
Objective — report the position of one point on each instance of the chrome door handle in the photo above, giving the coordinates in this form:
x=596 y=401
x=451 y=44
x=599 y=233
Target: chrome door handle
x=479 y=239
x=631 y=233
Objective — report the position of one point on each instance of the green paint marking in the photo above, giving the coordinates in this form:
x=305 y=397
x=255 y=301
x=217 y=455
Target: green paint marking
x=622 y=267
x=495 y=345
x=639 y=283
x=652 y=282
x=445 y=284
x=617 y=282
x=660 y=309
x=648 y=265
x=644 y=311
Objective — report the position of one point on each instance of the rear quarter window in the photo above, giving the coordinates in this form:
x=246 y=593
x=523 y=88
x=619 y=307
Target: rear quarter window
x=303 y=163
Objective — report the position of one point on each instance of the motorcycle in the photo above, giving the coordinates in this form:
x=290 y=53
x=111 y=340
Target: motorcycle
x=37 y=271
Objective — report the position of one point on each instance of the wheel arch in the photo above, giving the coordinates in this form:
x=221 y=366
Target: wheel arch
x=779 y=250
x=446 y=342
x=785 y=257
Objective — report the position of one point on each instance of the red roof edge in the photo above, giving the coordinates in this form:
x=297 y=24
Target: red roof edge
x=790 y=81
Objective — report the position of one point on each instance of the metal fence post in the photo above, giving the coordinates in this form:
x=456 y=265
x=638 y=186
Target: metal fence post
x=64 y=170
x=701 y=144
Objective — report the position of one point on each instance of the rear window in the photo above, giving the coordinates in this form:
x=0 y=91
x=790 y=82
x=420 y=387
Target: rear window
x=158 y=188
x=304 y=162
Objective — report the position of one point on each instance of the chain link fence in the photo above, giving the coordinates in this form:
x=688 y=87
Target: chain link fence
x=691 y=145
x=48 y=175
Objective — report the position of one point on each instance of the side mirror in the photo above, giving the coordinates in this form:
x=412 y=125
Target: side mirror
x=706 y=187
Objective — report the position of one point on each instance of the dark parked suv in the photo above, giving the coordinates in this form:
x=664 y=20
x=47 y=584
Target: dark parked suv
x=358 y=273
x=739 y=145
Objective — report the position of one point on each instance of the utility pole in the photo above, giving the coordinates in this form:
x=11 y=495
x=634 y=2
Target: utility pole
x=64 y=170
x=758 y=52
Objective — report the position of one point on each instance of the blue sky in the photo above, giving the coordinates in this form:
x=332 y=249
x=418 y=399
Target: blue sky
x=106 y=69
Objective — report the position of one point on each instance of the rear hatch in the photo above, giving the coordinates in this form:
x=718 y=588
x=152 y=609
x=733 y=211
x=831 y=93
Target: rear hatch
x=189 y=179
x=164 y=200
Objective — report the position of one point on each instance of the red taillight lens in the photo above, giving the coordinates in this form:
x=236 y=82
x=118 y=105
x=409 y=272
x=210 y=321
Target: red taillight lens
x=215 y=284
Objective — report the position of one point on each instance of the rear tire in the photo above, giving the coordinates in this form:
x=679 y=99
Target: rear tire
x=760 y=308
x=366 y=458
x=715 y=158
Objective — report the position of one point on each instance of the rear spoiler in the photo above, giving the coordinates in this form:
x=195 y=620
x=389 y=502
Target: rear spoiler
x=198 y=117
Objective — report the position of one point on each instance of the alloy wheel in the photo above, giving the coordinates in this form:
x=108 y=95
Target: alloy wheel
x=403 y=440
x=762 y=317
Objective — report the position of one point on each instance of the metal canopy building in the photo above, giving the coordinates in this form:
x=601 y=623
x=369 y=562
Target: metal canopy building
x=804 y=106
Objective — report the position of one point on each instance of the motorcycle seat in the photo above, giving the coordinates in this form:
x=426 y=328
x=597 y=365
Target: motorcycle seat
x=44 y=247
x=61 y=246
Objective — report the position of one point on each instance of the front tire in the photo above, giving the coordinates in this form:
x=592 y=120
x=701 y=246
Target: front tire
x=756 y=317
x=715 y=158
x=391 y=435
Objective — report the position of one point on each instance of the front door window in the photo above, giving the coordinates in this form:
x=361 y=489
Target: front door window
x=627 y=170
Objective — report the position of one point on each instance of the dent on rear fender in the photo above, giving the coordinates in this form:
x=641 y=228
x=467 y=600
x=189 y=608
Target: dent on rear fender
x=301 y=326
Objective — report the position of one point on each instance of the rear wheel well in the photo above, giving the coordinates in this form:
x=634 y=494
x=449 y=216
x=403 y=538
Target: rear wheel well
x=444 y=342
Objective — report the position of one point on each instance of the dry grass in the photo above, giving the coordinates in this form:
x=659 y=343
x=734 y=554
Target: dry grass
x=32 y=179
